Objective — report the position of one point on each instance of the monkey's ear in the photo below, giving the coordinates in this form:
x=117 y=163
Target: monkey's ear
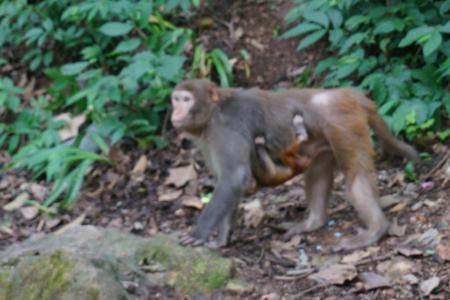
x=213 y=94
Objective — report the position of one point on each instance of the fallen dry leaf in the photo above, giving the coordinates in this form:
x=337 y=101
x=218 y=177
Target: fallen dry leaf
x=324 y=260
x=254 y=213
x=29 y=212
x=409 y=251
x=38 y=192
x=357 y=256
x=399 y=178
x=72 y=124
x=140 y=165
x=291 y=245
x=373 y=280
x=78 y=221
x=238 y=33
x=51 y=223
x=429 y=285
x=399 y=207
x=6 y=231
x=180 y=176
x=395 y=229
x=170 y=196
x=18 y=202
x=443 y=249
x=395 y=268
x=6 y=181
x=408 y=279
x=192 y=202
x=335 y=274
x=423 y=241
x=271 y=296
x=389 y=200
x=257 y=45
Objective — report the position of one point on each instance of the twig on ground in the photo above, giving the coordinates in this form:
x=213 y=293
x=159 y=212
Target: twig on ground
x=311 y=289
x=437 y=166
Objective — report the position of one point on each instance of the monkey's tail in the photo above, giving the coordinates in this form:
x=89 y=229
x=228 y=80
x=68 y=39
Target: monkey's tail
x=387 y=140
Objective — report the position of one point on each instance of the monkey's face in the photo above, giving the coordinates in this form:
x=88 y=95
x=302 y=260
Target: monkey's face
x=192 y=104
x=182 y=104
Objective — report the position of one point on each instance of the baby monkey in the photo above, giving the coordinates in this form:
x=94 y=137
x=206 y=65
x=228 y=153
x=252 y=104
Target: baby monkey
x=290 y=163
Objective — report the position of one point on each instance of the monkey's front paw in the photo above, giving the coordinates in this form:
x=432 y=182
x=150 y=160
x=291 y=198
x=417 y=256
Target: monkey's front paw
x=188 y=239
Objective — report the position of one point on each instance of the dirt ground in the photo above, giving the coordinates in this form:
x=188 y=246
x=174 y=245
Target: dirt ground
x=161 y=191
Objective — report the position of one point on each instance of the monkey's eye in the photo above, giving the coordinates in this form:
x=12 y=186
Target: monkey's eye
x=187 y=98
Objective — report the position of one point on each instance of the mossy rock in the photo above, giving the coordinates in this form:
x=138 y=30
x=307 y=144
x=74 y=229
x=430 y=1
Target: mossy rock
x=43 y=278
x=192 y=270
x=87 y=262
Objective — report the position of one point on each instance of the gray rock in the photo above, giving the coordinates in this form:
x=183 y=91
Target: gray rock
x=86 y=262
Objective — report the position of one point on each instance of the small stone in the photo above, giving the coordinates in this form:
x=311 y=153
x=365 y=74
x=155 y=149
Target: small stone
x=239 y=287
x=138 y=226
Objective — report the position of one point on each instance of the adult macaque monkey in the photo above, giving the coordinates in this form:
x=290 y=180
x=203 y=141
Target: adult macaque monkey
x=225 y=124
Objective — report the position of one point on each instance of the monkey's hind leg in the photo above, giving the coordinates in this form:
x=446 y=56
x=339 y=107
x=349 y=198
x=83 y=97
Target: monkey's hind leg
x=318 y=183
x=363 y=196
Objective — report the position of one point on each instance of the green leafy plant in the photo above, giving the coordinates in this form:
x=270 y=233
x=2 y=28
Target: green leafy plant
x=204 y=63
x=113 y=61
x=398 y=50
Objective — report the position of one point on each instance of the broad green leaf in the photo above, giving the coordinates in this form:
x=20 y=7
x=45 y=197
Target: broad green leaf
x=293 y=15
x=346 y=70
x=445 y=28
x=385 y=26
x=13 y=103
x=387 y=107
x=74 y=68
x=169 y=66
x=443 y=135
x=300 y=29
x=33 y=33
x=335 y=17
x=325 y=64
x=354 y=21
x=311 y=39
x=354 y=39
x=318 y=17
x=36 y=62
x=115 y=28
x=414 y=35
x=432 y=44
x=335 y=36
x=127 y=45
x=445 y=7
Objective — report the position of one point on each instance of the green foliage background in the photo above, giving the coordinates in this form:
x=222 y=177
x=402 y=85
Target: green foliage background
x=398 y=50
x=115 y=61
